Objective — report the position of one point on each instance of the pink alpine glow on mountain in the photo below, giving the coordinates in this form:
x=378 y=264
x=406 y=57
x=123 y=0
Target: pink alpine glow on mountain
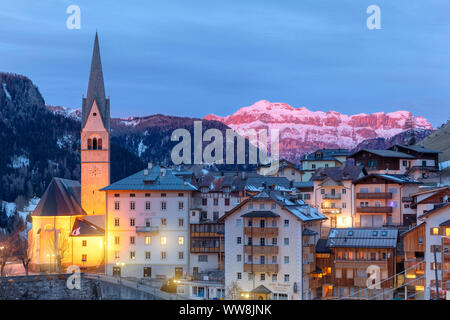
x=302 y=130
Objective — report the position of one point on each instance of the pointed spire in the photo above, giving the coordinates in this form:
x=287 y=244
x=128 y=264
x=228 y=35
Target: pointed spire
x=96 y=88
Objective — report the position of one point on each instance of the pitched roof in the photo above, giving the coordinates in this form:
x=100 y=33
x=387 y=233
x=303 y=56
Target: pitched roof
x=61 y=198
x=321 y=246
x=156 y=179
x=436 y=208
x=445 y=223
x=413 y=228
x=96 y=89
x=325 y=155
x=419 y=149
x=261 y=289
x=395 y=178
x=386 y=153
x=309 y=232
x=363 y=238
x=338 y=174
x=83 y=228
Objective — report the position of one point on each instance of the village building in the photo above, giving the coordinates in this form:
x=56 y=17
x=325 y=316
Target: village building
x=322 y=158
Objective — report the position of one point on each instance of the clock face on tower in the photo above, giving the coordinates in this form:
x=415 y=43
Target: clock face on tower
x=95 y=171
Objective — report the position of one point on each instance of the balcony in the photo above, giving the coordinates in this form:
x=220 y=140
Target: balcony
x=206 y=250
x=207 y=230
x=315 y=283
x=271 y=268
x=331 y=196
x=374 y=195
x=260 y=250
x=308 y=268
x=328 y=209
x=309 y=249
x=146 y=230
x=359 y=264
x=261 y=232
x=374 y=209
x=360 y=282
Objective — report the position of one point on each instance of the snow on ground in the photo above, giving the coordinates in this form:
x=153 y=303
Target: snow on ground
x=141 y=148
x=11 y=207
x=444 y=165
x=19 y=162
x=6 y=91
x=63 y=141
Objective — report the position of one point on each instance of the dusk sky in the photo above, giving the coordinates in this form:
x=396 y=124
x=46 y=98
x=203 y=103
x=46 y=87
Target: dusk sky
x=192 y=58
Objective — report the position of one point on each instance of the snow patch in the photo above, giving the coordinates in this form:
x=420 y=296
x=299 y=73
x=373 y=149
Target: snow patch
x=6 y=91
x=19 y=162
x=141 y=148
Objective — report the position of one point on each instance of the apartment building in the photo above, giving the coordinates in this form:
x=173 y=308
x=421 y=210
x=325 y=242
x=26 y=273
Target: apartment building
x=322 y=158
x=354 y=252
x=425 y=200
x=269 y=244
x=305 y=191
x=286 y=169
x=334 y=194
x=384 y=199
x=147 y=225
x=437 y=250
x=425 y=164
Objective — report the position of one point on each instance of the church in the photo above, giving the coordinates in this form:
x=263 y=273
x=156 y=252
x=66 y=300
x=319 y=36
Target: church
x=69 y=221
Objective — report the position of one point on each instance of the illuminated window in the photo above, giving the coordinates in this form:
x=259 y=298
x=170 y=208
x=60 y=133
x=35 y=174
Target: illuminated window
x=180 y=222
x=447 y=232
x=163 y=240
x=148 y=240
x=84 y=257
x=132 y=255
x=163 y=222
x=181 y=241
x=116 y=222
x=84 y=243
x=117 y=240
x=132 y=240
x=147 y=255
x=435 y=231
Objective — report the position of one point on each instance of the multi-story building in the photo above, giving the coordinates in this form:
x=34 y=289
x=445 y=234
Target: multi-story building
x=425 y=200
x=357 y=254
x=334 y=194
x=322 y=158
x=305 y=191
x=425 y=164
x=383 y=199
x=269 y=244
x=147 y=225
x=437 y=250
x=286 y=169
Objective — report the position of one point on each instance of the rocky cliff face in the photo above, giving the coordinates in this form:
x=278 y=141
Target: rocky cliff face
x=302 y=130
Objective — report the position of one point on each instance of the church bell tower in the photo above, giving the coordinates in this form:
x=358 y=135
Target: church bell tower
x=95 y=145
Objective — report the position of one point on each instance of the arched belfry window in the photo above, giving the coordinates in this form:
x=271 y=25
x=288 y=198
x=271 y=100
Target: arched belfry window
x=94 y=144
x=99 y=144
x=89 y=144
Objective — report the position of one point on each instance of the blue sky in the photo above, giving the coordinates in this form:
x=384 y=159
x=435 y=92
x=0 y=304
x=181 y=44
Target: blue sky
x=192 y=58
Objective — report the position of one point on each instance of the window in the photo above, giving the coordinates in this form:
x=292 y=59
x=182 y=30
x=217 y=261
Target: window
x=250 y=206
x=163 y=206
x=163 y=222
x=239 y=240
x=163 y=241
x=180 y=255
x=132 y=195
x=263 y=277
x=117 y=254
x=132 y=222
x=274 y=259
x=216 y=202
x=393 y=190
x=239 y=276
x=286 y=259
x=202 y=258
x=286 y=278
x=147 y=255
x=435 y=231
x=84 y=243
x=338 y=273
x=116 y=222
x=116 y=205
x=132 y=255
x=180 y=205
x=84 y=257
x=216 y=215
x=249 y=241
x=180 y=241
x=344 y=191
x=313 y=166
x=181 y=194
x=116 y=195
x=238 y=222
x=148 y=240
x=286 y=223
x=147 y=223
x=250 y=276
x=204 y=202
x=132 y=205
x=262 y=223
x=163 y=255
x=274 y=277
x=180 y=222
x=261 y=206
x=132 y=240
x=349 y=273
x=447 y=232
x=117 y=240
x=238 y=258
x=274 y=241
x=307 y=196
x=227 y=201
x=148 y=195
x=286 y=241
x=163 y=195
x=262 y=242
x=274 y=223
x=344 y=205
x=148 y=205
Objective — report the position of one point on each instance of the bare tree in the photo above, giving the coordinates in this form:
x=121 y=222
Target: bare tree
x=6 y=249
x=233 y=291
x=24 y=248
x=63 y=249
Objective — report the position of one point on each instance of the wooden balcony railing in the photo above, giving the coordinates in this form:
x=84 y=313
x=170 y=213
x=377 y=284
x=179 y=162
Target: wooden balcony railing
x=359 y=264
x=328 y=210
x=374 y=209
x=261 y=232
x=330 y=196
x=315 y=283
x=272 y=268
x=374 y=195
x=360 y=282
x=261 y=250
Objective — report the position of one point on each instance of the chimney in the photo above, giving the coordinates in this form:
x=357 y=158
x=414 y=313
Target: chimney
x=163 y=172
x=150 y=166
x=264 y=185
x=145 y=172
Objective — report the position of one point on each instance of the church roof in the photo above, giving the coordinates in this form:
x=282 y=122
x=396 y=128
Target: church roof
x=61 y=198
x=83 y=228
x=96 y=89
